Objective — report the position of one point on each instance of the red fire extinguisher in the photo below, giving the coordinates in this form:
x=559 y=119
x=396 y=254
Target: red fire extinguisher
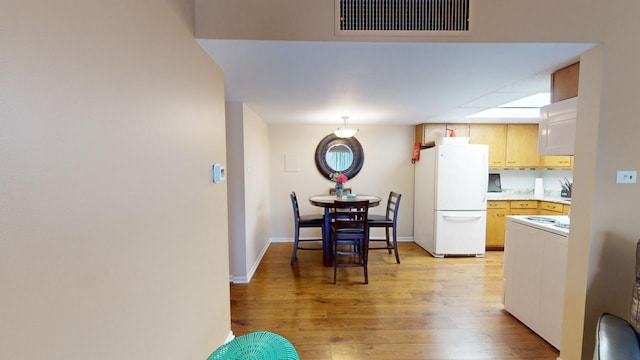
x=416 y=153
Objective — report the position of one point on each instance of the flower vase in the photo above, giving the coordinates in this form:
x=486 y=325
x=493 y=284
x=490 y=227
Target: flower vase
x=339 y=190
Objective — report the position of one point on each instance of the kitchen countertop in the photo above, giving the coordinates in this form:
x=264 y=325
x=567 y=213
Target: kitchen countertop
x=527 y=196
x=546 y=226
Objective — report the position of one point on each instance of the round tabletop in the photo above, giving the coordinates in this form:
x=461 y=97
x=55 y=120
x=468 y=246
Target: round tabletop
x=329 y=200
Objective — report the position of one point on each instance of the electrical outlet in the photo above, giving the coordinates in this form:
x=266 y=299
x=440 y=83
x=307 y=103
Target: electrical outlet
x=626 y=177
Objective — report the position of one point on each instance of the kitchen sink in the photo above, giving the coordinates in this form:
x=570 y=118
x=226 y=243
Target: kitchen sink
x=562 y=222
x=542 y=219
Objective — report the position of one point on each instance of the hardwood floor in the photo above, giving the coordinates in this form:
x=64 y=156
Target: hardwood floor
x=423 y=308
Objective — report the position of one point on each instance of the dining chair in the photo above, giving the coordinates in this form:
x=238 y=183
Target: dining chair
x=389 y=222
x=304 y=221
x=350 y=235
x=332 y=191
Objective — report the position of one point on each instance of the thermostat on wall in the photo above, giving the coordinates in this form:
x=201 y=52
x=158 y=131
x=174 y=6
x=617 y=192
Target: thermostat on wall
x=218 y=173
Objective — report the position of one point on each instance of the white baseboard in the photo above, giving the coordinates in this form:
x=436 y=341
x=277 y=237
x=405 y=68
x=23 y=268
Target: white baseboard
x=254 y=267
x=230 y=336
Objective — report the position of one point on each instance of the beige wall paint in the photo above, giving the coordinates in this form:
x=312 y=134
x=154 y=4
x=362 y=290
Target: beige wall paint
x=387 y=166
x=582 y=207
x=256 y=186
x=248 y=178
x=604 y=228
x=112 y=245
x=236 y=194
x=494 y=21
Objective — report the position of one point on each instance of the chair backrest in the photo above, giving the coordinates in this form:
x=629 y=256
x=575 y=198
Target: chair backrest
x=332 y=191
x=296 y=208
x=393 y=204
x=350 y=215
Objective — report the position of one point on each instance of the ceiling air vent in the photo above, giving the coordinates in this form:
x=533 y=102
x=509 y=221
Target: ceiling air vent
x=419 y=17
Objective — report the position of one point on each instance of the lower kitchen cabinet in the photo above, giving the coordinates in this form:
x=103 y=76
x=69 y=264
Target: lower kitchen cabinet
x=497 y=212
x=523 y=207
x=534 y=277
x=550 y=208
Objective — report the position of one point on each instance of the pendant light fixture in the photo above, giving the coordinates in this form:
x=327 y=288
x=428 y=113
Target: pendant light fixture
x=345 y=132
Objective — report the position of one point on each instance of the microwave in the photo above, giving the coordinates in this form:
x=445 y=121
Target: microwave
x=494 y=183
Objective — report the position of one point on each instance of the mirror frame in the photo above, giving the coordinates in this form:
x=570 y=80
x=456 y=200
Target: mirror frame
x=330 y=140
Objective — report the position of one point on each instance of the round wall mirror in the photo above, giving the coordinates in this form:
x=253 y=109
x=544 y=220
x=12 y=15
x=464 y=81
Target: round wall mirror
x=339 y=157
x=343 y=155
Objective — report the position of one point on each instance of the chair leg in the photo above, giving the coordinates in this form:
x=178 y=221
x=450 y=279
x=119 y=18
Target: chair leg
x=335 y=260
x=365 y=258
x=296 y=237
x=395 y=245
x=386 y=230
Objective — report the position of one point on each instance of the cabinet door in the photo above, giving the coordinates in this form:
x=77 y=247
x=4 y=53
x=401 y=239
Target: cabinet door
x=524 y=212
x=429 y=133
x=554 y=267
x=522 y=267
x=494 y=135
x=557 y=161
x=522 y=146
x=552 y=207
x=496 y=219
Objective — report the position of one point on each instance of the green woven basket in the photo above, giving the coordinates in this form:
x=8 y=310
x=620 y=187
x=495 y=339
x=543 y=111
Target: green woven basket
x=261 y=345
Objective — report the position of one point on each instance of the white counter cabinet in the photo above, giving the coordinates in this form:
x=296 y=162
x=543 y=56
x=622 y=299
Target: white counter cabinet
x=534 y=276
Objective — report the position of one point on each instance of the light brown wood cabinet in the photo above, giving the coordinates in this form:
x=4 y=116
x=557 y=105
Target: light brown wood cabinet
x=494 y=135
x=497 y=212
x=510 y=145
x=550 y=208
x=564 y=83
x=523 y=207
x=558 y=162
x=426 y=133
x=522 y=146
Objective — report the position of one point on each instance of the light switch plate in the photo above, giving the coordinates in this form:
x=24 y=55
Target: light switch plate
x=626 y=177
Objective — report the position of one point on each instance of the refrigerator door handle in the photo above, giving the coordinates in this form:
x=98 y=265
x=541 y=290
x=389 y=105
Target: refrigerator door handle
x=465 y=217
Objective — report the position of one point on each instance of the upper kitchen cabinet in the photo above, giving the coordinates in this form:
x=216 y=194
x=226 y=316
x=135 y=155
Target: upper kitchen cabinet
x=557 y=131
x=429 y=133
x=556 y=162
x=510 y=145
x=564 y=83
x=494 y=135
x=522 y=146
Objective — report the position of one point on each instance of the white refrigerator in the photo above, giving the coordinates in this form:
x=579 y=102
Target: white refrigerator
x=450 y=216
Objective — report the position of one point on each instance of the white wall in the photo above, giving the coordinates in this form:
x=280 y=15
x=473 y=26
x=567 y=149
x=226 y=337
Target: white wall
x=523 y=180
x=387 y=166
x=111 y=243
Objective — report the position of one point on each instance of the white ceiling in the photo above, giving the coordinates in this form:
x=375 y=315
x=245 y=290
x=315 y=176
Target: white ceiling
x=291 y=82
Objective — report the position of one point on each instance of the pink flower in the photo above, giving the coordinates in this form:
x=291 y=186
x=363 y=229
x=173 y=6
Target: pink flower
x=339 y=178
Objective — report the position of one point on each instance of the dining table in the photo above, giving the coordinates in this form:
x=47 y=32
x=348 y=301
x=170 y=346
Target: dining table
x=327 y=202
